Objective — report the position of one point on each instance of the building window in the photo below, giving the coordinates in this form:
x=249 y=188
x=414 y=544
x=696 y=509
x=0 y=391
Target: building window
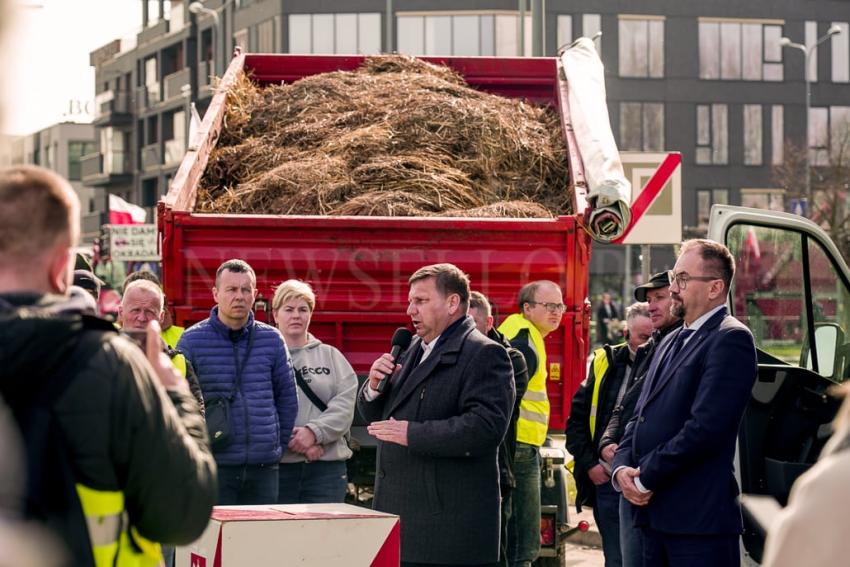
x=240 y=38
x=841 y=54
x=150 y=194
x=705 y=199
x=76 y=150
x=265 y=37
x=777 y=134
x=767 y=199
x=462 y=34
x=829 y=135
x=712 y=134
x=335 y=33
x=641 y=46
x=591 y=24
x=565 y=30
x=641 y=126
x=753 y=134
x=740 y=50
x=811 y=38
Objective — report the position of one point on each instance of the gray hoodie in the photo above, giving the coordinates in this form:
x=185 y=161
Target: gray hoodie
x=333 y=380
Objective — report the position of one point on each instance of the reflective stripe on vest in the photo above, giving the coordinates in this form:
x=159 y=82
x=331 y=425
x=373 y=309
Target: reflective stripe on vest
x=600 y=367
x=179 y=362
x=112 y=544
x=171 y=335
x=533 y=422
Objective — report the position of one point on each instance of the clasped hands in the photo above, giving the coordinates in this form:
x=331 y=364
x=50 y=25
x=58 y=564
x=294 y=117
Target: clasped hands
x=626 y=479
x=304 y=441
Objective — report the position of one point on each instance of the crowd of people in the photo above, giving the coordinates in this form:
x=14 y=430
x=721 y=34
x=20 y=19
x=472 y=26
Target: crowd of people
x=130 y=433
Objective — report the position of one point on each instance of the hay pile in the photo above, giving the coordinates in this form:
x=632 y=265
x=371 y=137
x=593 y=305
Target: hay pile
x=397 y=137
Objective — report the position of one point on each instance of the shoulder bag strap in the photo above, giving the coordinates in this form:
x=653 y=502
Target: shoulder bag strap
x=308 y=391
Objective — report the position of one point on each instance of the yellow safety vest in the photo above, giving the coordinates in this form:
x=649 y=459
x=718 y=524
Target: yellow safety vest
x=600 y=367
x=114 y=542
x=179 y=362
x=171 y=335
x=533 y=422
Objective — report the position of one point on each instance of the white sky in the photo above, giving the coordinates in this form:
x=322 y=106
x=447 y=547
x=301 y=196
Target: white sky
x=46 y=56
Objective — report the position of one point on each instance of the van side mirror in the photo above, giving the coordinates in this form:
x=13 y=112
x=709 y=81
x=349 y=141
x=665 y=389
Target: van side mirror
x=829 y=339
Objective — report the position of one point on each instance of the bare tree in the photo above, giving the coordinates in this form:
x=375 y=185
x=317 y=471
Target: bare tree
x=830 y=171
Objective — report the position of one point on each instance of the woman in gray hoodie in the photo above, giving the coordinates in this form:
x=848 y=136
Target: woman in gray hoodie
x=313 y=468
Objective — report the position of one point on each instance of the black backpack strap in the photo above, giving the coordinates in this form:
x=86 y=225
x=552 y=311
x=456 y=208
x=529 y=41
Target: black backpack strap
x=308 y=391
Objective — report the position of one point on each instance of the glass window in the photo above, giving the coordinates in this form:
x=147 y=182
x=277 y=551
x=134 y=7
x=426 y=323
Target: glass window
x=730 y=50
x=709 y=50
x=819 y=136
x=488 y=36
x=438 y=35
x=811 y=38
x=705 y=199
x=641 y=47
x=466 y=36
x=831 y=308
x=767 y=199
x=565 y=30
x=839 y=134
x=641 y=126
x=752 y=134
x=265 y=37
x=76 y=151
x=346 y=33
x=752 y=51
x=507 y=36
x=323 y=35
x=590 y=25
x=841 y=54
x=368 y=34
x=411 y=34
x=777 y=134
x=719 y=134
x=299 y=34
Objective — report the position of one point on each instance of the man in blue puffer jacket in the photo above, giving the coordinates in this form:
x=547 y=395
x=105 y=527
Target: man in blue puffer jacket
x=244 y=365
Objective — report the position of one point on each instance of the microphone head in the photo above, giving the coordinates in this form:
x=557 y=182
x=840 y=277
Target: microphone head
x=402 y=338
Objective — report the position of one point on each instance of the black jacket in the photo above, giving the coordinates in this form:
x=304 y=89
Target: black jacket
x=581 y=445
x=445 y=483
x=623 y=413
x=121 y=430
x=507 y=450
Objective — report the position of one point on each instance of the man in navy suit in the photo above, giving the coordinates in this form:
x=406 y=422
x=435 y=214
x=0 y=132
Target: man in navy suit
x=675 y=462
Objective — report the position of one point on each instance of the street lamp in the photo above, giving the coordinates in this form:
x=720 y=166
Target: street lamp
x=198 y=8
x=807 y=53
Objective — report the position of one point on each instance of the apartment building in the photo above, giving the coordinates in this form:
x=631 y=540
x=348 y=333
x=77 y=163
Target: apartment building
x=708 y=79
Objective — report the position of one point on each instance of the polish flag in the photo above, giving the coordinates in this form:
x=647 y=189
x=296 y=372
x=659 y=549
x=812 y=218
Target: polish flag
x=122 y=212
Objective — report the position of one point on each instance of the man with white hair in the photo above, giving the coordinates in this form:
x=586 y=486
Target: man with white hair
x=142 y=303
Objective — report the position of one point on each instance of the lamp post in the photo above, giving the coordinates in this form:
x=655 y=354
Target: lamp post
x=198 y=8
x=807 y=54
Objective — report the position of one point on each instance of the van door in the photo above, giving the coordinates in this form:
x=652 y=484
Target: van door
x=792 y=289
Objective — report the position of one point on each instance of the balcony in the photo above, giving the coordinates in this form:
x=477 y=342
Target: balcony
x=91 y=223
x=112 y=108
x=150 y=33
x=175 y=83
x=147 y=96
x=151 y=156
x=174 y=151
x=110 y=169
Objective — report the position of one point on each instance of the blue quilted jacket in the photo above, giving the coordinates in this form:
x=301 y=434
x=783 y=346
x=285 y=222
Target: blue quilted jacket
x=264 y=409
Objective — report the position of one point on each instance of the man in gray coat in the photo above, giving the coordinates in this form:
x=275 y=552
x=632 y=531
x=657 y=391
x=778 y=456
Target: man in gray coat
x=439 y=422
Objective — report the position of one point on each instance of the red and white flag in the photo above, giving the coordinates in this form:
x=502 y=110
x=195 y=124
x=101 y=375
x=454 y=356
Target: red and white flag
x=122 y=212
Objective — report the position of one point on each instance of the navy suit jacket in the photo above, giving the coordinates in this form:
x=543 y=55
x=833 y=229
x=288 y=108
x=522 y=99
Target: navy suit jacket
x=684 y=430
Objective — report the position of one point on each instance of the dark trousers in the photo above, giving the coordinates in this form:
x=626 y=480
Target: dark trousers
x=676 y=550
x=524 y=525
x=606 y=513
x=319 y=482
x=503 y=528
x=247 y=484
x=631 y=537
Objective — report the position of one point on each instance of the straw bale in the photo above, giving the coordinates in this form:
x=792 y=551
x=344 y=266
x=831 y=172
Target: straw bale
x=398 y=136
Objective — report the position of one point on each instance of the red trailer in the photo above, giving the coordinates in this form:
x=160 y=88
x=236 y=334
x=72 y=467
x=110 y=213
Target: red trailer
x=359 y=265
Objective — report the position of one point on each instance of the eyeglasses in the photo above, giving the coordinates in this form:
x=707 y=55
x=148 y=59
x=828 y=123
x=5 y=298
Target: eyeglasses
x=683 y=278
x=551 y=307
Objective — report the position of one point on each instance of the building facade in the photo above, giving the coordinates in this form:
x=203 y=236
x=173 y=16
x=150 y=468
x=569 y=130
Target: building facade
x=60 y=148
x=710 y=80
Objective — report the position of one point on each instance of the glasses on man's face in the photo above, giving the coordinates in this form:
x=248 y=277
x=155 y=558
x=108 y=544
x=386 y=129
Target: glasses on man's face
x=551 y=307
x=682 y=278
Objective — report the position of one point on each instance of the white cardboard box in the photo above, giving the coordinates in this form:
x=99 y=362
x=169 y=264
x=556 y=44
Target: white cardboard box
x=321 y=535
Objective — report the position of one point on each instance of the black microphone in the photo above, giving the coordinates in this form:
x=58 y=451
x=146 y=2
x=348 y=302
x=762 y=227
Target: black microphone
x=401 y=340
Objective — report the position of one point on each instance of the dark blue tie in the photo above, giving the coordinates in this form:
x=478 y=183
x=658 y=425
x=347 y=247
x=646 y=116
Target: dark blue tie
x=678 y=342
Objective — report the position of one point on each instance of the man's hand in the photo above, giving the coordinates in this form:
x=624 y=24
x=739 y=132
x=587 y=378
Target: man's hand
x=598 y=475
x=608 y=452
x=302 y=439
x=391 y=431
x=165 y=371
x=626 y=479
x=382 y=369
x=314 y=453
